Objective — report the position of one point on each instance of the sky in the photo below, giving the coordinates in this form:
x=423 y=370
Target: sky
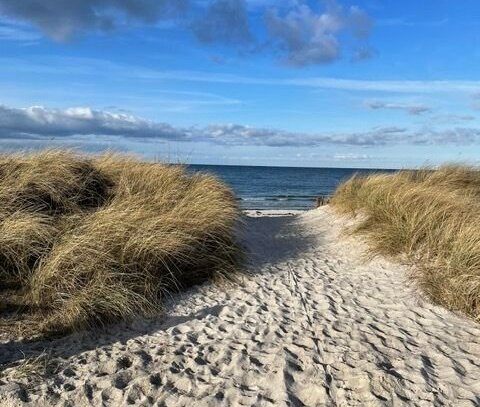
x=334 y=83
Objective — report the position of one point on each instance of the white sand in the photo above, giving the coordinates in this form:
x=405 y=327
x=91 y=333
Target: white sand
x=314 y=324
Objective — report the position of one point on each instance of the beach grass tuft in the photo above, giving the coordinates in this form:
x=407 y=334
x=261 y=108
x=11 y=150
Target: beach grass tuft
x=431 y=217
x=86 y=240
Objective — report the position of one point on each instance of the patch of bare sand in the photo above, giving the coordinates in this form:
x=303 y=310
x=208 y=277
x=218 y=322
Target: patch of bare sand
x=313 y=324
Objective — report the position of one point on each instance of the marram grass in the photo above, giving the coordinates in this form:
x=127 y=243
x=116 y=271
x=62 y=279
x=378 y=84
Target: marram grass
x=430 y=216
x=89 y=240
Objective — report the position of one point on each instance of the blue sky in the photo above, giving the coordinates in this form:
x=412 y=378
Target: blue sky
x=364 y=83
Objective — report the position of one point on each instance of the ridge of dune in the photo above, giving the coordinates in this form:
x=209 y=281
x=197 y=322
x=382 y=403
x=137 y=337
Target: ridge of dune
x=313 y=323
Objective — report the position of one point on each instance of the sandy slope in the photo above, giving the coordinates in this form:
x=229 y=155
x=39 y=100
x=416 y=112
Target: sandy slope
x=314 y=324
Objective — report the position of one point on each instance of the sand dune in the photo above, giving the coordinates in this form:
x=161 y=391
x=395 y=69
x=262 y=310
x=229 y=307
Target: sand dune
x=312 y=324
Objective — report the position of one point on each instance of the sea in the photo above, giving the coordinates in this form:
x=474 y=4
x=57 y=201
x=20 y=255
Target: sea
x=285 y=188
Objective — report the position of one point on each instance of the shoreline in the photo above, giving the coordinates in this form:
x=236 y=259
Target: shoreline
x=255 y=213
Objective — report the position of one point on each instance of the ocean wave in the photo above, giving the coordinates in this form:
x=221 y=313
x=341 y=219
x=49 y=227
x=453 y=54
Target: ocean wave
x=279 y=198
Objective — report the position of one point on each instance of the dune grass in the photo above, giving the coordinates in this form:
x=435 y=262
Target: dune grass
x=430 y=217
x=89 y=240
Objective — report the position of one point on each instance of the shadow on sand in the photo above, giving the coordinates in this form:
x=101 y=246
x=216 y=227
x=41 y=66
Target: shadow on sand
x=268 y=240
x=274 y=240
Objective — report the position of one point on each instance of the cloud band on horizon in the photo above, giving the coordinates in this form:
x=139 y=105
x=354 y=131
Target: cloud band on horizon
x=42 y=123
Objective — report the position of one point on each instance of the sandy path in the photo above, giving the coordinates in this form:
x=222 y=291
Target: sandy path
x=314 y=325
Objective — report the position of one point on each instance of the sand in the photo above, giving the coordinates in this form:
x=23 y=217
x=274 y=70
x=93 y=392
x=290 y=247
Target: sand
x=313 y=324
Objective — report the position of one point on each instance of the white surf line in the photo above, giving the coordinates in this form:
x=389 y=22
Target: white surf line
x=316 y=340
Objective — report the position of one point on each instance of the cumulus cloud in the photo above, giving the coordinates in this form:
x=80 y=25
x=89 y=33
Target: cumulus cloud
x=413 y=109
x=62 y=19
x=301 y=34
x=224 y=21
x=309 y=37
x=41 y=123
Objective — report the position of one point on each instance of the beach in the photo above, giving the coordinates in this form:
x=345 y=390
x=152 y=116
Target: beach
x=313 y=322
x=227 y=203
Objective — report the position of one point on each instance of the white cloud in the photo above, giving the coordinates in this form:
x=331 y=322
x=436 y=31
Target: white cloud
x=351 y=157
x=413 y=109
x=98 y=67
x=355 y=85
x=41 y=123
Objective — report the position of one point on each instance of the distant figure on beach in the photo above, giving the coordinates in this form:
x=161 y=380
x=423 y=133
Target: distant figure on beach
x=321 y=201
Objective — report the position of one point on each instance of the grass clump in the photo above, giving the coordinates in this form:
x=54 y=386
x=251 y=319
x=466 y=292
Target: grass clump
x=429 y=216
x=89 y=240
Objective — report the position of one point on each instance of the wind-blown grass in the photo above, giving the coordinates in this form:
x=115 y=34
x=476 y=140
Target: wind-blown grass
x=89 y=240
x=431 y=217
